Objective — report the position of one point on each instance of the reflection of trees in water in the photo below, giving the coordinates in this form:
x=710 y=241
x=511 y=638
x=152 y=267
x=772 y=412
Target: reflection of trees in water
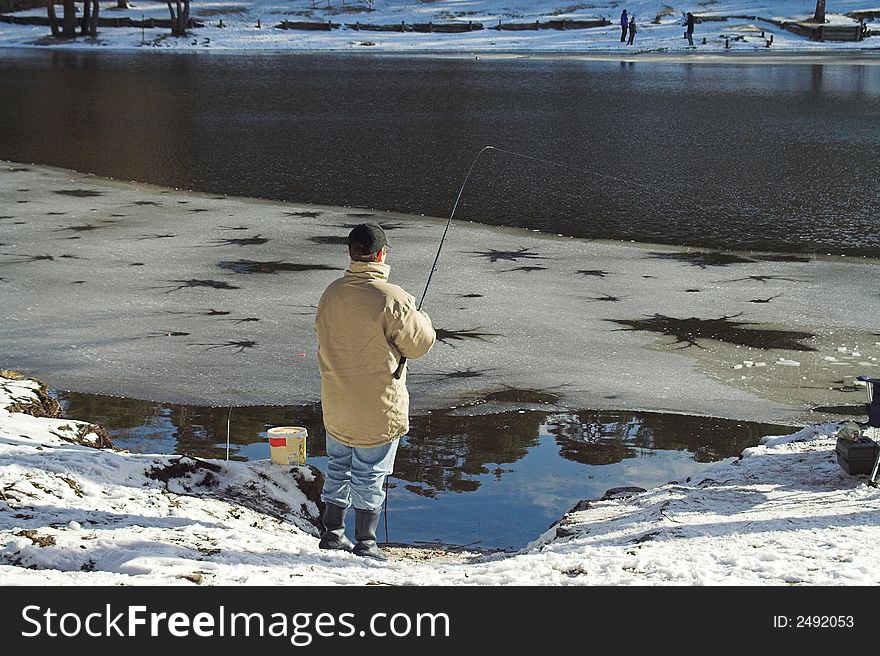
x=197 y=430
x=443 y=452
x=595 y=437
x=446 y=453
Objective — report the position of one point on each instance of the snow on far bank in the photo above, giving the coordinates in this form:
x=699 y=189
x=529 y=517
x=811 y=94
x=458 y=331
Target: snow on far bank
x=784 y=513
x=250 y=25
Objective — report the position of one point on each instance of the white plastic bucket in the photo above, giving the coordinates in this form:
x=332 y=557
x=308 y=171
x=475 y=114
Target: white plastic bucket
x=287 y=445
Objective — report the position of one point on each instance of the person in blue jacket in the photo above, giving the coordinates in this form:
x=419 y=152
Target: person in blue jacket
x=624 y=24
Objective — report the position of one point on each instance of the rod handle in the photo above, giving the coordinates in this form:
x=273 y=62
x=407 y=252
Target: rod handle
x=399 y=371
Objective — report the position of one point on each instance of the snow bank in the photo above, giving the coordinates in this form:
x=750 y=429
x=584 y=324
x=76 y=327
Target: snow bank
x=250 y=25
x=784 y=513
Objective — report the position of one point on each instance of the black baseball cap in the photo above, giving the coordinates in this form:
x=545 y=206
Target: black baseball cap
x=369 y=236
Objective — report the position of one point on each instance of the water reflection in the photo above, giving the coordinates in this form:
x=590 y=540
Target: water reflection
x=512 y=459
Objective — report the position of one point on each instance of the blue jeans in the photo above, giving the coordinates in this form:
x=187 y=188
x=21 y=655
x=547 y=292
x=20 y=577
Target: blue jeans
x=356 y=475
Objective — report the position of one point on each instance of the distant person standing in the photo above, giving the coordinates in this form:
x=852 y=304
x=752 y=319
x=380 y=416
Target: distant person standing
x=632 y=30
x=689 y=30
x=624 y=24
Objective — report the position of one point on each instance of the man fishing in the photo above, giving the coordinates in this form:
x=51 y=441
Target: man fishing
x=365 y=326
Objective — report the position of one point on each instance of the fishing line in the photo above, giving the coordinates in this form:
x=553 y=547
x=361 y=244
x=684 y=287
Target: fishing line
x=228 y=415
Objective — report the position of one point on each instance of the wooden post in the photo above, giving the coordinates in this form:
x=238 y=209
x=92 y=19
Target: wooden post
x=726 y=42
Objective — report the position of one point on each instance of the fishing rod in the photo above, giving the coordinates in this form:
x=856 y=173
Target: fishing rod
x=399 y=371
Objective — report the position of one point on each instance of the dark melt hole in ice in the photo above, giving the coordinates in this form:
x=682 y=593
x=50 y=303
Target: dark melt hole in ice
x=858 y=409
x=6 y=217
x=256 y=240
x=526 y=269
x=166 y=235
x=17 y=169
x=236 y=346
x=596 y=273
x=21 y=202
x=447 y=336
x=454 y=374
x=199 y=209
x=78 y=282
x=360 y=215
x=119 y=216
x=605 y=298
x=55 y=213
x=210 y=312
x=193 y=282
x=764 y=300
x=451 y=465
x=703 y=260
x=245 y=320
x=134 y=264
x=86 y=227
x=274 y=267
x=693 y=291
x=163 y=333
x=183 y=202
x=305 y=214
x=143 y=203
x=329 y=240
x=80 y=193
x=724 y=329
x=762 y=278
x=233 y=228
x=512 y=256
x=28 y=258
x=469 y=295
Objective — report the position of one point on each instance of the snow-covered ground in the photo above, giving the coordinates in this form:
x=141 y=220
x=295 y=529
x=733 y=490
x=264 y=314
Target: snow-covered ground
x=250 y=25
x=73 y=514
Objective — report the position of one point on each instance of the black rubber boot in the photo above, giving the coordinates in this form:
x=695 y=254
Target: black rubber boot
x=365 y=524
x=333 y=536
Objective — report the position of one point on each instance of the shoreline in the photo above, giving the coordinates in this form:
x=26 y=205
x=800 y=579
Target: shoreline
x=780 y=55
x=733 y=525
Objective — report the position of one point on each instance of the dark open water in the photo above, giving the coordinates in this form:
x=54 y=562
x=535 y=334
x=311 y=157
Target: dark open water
x=756 y=157
x=494 y=480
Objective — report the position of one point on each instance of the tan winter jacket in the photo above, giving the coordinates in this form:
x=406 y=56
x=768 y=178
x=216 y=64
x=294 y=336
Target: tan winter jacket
x=364 y=325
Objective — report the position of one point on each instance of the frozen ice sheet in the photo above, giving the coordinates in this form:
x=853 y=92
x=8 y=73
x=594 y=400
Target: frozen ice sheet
x=161 y=294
